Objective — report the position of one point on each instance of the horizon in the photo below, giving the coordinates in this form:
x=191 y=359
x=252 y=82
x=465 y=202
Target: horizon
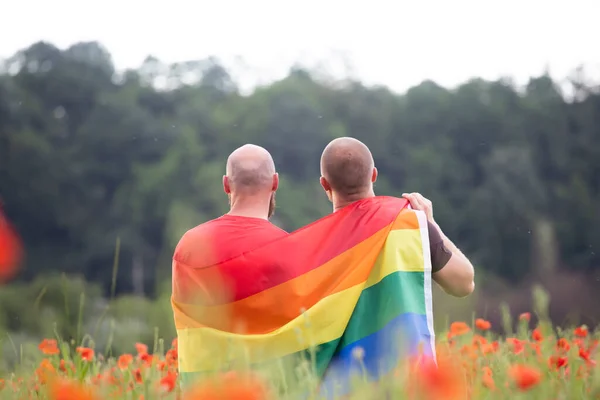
x=246 y=87
x=388 y=44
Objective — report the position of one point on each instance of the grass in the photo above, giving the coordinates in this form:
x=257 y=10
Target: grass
x=474 y=362
x=542 y=361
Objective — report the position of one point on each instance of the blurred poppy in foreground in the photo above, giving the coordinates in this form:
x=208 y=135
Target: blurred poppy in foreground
x=230 y=386
x=442 y=381
x=70 y=390
x=10 y=250
x=525 y=377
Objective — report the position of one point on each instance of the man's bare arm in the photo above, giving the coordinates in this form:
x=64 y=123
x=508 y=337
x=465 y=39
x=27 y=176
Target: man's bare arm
x=457 y=276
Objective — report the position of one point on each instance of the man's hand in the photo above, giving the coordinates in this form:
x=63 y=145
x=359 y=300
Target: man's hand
x=418 y=202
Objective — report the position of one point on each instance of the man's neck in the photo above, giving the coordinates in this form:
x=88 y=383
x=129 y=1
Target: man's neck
x=251 y=209
x=340 y=202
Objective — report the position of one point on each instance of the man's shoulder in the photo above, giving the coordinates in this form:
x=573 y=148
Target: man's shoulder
x=390 y=201
x=230 y=225
x=188 y=244
x=399 y=209
x=389 y=205
x=224 y=238
x=199 y=230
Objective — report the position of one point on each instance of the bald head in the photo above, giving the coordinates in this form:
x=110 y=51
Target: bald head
x=250 y=169
x=347 y=165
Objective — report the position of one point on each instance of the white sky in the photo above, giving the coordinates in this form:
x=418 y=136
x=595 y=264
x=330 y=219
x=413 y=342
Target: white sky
x=398 y=43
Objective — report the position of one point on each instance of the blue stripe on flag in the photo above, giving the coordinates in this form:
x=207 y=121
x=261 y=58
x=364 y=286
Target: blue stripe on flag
x=381 y=351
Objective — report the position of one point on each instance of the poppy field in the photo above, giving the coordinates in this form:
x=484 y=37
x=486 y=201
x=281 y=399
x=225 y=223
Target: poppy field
x=473 y=363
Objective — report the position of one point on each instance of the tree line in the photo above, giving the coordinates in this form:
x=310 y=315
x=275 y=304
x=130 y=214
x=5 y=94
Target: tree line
x=101 y=167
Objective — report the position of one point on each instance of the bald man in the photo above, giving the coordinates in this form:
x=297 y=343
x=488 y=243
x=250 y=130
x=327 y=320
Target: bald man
x=250 y=183
x=347 y=175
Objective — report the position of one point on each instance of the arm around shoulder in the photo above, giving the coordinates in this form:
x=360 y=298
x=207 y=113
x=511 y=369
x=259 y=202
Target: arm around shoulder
x=457 y=277
x=450 y=268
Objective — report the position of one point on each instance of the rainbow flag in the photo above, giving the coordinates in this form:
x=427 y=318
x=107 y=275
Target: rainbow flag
x=351 y=290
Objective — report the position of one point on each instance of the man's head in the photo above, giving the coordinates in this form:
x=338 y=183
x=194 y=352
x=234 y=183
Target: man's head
x=250 y=178
x=347 y=170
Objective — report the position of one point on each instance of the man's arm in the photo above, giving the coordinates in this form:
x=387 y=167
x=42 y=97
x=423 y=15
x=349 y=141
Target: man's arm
x=456 y=277
x=450 y=268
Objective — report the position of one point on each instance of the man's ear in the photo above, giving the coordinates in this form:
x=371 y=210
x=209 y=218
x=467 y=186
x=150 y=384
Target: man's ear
x=326 y=186
x=374 y=175
x=275 y=182
x=226 y=187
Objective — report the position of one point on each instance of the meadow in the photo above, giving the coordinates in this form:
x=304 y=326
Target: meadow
x=527 y=356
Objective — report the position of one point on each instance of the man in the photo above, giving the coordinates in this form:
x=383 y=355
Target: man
x=347 y=175
x=250 y=183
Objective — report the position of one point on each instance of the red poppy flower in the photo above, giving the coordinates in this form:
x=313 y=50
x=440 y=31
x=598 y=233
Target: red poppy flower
x=49 y=346
x=46 y=371
x=137 y=374
x=69 y=390
x=230 y=386
x=86 y=353
x=458 y=328
x=141 y=348
x=518 y=345
x=524 y=377
x=525 y=316
x=563 y=344
x=487 y=378
x=167 y=383
x=482 y=324
x=558 y=362
x=11 y=251
x=581 y=331
x=124 y=361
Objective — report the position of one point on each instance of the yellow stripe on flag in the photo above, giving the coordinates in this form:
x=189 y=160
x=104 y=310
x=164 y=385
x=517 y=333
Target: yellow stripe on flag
x=206 y=349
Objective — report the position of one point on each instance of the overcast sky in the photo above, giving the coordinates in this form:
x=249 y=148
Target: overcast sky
x=398 y=43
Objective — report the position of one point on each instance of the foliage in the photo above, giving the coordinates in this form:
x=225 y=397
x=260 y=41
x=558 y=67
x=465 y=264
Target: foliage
x=472 y=363
x=71 y=309
x=89 y=155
